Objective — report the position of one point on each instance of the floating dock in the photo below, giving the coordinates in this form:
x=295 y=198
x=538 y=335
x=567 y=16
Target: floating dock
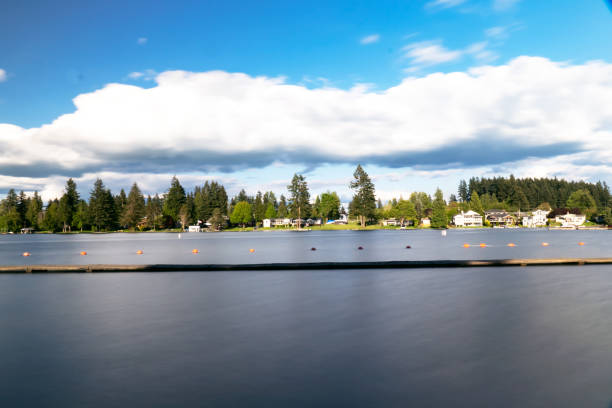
x=293 y=266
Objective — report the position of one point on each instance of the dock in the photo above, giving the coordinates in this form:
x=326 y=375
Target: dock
x=294 y=266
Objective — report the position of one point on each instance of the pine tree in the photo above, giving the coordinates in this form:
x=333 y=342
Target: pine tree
x=102 y=211
x=282 y=207
x=33 y=211
x=299 y=202
x=364 y=200
x=134 y=209
x=438 y=217
x=475 y=203
x=175 y=198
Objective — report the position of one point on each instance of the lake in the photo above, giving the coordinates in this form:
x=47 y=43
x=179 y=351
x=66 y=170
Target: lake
x=503 y=337
x=292 y=246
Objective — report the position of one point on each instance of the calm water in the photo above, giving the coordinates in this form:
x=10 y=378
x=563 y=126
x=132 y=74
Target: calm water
x=503 y=337
x=287 y=246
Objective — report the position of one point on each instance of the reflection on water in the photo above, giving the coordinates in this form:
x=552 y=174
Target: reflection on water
x=288 y=246
x=508 y=337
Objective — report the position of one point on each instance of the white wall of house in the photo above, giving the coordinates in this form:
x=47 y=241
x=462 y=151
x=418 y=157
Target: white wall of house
x=571 y=219
x=468 y=219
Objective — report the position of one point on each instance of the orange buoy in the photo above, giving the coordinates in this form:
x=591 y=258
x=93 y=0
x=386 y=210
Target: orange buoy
x=544 y=243
x=511 y=244
x=139 y=252
x=466 y=245
x=581 y=243
x=26 y=254
x=83 y=253
x=251 y=250
x=194 y=251
x=482 y=245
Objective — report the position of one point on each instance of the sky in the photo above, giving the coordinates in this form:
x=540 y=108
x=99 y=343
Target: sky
x=422 y=93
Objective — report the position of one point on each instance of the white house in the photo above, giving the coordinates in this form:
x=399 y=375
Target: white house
x=426 y=222
x=194 y=228
x=468 y=219
x=571 y=219
x=536 y=219
x=276 y=222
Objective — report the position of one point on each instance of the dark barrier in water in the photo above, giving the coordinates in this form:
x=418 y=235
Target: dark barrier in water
x=301 y=266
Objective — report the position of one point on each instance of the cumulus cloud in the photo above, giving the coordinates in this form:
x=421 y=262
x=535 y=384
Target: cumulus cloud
x=370 y=39
x=2 y=75
x=530 y=110
x=428 y=53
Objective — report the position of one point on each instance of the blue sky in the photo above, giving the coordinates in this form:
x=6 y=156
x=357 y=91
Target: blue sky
x=52 y=52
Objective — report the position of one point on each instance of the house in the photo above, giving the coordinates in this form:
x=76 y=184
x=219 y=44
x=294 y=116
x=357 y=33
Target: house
x=391 y=222
x=426 y=222
x=536 y=219
x=468 y=219
x=195 y=228
x=276 y=222
x=499 y=218
x=569 y=219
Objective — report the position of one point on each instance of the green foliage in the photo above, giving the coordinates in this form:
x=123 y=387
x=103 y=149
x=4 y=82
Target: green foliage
x=282 y=210
x=81 y=216
x=134 y=209
x=438 y=217
x=270 y=211
x=329 y=206
x=363 y=205
x=583 y=200
x=208 y=197
x=175 y=198
x=217 y=220
x=475 y=204
x=102 y=212
x=422 y=202
x=299 y=201
x=154 y=211
x=242 y=214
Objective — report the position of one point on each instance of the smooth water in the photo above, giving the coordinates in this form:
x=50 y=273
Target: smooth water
x=292 y=246
x=490 y=337
x=465 y=337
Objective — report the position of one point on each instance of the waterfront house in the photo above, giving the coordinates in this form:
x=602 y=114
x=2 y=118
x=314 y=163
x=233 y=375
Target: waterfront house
x=277 y=222
x=499 y=218
x=536 y=219
x=391 y=222
x=468 y=219
x=426 y=222
x=570 y=219
x=195 y=228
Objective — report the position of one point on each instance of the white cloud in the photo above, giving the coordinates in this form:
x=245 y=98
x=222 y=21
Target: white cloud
x=529 y=116
x=443 y=3
x=370 y=39
x=142 y=40
x=502 y=5
x=2 y=75
x=146 y=75
x=428 y=53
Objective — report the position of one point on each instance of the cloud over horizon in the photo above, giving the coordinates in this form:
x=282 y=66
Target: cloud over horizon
x=526 y=111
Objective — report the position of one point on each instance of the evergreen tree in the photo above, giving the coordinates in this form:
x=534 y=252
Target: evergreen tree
x=299 y=202
x=81 y=216
x=463 y=191
x=68 y=205
x=22 y=207
x=153 y=211
x=10 y=220
x=270 y=211
x=438 y=217
x=259 y=209
x=175 y=198
x=282 y=207
x=405 y=211
x=364 y=200
x=102 y=213
x=134 y=209
x=52 y=218
x=35 y=206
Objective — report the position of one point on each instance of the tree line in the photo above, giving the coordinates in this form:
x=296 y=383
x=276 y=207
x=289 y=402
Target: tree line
x=103 y=211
